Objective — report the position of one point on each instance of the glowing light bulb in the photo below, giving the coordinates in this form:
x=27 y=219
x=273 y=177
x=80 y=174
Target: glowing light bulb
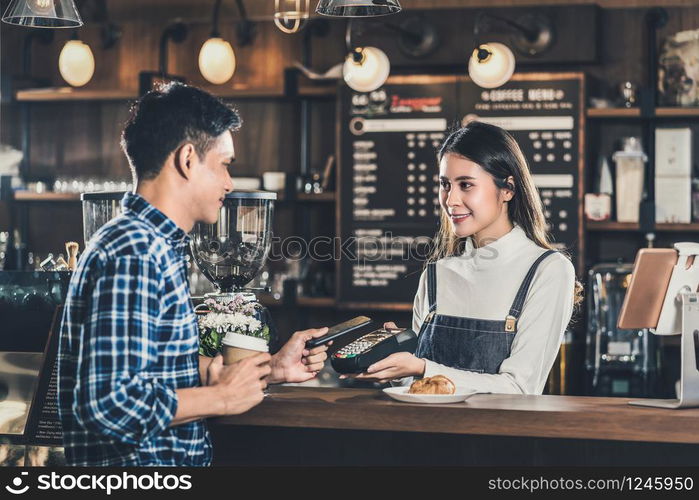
x=369 y=72
x=493 y=70
x=41 y=7
x=290 y=15
x=217 y=61
x=76 y=63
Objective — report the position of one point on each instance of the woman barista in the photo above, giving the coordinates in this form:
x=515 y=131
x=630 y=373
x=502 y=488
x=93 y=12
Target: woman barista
x=495 y=299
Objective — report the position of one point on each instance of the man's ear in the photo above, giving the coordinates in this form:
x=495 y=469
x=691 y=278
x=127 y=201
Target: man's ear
x=184 y=160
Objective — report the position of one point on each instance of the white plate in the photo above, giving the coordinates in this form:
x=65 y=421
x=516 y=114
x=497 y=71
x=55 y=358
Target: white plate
x=401 y=394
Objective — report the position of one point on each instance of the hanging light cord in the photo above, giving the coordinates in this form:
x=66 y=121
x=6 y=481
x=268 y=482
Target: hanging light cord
x=241 y=9
x=357 y=53
x=177 y=32
x=43 y=36
x=214 y=21
x=246 y=28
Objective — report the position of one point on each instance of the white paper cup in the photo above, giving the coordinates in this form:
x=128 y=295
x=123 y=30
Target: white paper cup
x=274 y=181
x=236 y=346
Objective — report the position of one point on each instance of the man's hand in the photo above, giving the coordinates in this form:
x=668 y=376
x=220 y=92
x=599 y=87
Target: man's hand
x=204 y=362
x=239 y=385
x=295 y=363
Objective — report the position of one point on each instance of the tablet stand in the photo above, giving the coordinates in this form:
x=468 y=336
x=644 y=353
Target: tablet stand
x=683 y=286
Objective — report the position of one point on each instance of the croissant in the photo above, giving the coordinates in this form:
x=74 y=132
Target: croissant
x=439 y=384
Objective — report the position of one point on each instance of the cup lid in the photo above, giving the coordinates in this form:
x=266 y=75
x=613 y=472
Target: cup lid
x=233 y=339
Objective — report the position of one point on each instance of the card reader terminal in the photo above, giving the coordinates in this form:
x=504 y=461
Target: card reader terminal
x=360 y=354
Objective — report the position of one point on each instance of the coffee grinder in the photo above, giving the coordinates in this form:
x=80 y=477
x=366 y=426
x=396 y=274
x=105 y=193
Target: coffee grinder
x=231 y=252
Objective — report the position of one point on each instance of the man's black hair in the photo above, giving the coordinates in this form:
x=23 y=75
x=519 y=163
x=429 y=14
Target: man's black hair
x=164 y=119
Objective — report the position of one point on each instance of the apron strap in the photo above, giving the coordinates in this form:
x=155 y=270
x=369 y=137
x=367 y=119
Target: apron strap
x=432 y=286
x=516 y=309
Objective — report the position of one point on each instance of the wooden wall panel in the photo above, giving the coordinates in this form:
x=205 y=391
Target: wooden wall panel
x=81 y=138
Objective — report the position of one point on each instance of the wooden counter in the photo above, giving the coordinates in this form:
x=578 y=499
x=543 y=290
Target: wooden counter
x=491 y=414
x=572 y=424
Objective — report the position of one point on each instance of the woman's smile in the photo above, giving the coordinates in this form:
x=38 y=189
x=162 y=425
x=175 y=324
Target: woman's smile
x=458 y=218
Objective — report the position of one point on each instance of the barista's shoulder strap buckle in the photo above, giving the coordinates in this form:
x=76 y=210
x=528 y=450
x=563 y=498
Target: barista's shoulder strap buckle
x=510 y=323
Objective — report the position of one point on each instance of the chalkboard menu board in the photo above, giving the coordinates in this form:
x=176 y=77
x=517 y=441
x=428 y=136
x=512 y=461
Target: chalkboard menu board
x=388 y=186
x=388 y=190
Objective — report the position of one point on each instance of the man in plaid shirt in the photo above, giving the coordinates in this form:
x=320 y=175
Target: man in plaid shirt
x=132 y=388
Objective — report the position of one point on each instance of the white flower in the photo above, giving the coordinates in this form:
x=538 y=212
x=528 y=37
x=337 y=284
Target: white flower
x=236 y=322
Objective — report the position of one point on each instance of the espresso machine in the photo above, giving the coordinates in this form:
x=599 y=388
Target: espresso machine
x=618 y=362
x=231 y=252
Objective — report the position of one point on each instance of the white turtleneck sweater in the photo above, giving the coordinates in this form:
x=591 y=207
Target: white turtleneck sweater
x=482 y=283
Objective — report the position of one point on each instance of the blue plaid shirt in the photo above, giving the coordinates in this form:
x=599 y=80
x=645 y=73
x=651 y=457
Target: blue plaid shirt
x=129 y=339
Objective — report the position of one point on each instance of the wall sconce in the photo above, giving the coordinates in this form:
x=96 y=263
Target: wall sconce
x=148 y=80
x=245 y=29
x=217 y=61
x=290 y=16
x=24 y=78
x=44 y=37
x=76 y=62
x=418 y=37
x=43 y=14
x=110 y=32
x=492 y=64
x=365 y=68
x=216 y=57
x=358 y=8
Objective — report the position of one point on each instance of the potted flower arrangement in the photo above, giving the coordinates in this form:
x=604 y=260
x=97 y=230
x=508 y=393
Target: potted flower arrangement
x=235 y=320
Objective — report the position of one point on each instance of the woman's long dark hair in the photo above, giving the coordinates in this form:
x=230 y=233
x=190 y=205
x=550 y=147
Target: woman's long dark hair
x=496 y=152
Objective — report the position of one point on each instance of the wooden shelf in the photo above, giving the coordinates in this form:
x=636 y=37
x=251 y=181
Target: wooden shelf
x=50 y=196
x=70 y=94
x=613 y=112
x=331 y=303
x=633 y=227
x=327 y=302
x=376 y=306
x=320 y=197
x=268 y=300
x=636 y=112
x=269 y=93
x=31 y=196
x=679 y=112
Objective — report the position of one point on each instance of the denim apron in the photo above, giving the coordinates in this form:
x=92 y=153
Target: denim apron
x=477 y=345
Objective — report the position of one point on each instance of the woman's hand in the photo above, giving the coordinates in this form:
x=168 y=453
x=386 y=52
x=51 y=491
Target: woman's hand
x=397 y=365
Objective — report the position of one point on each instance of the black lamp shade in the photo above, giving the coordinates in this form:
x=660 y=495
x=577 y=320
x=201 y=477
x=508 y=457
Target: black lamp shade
x=358 y=8
x=43 y=14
